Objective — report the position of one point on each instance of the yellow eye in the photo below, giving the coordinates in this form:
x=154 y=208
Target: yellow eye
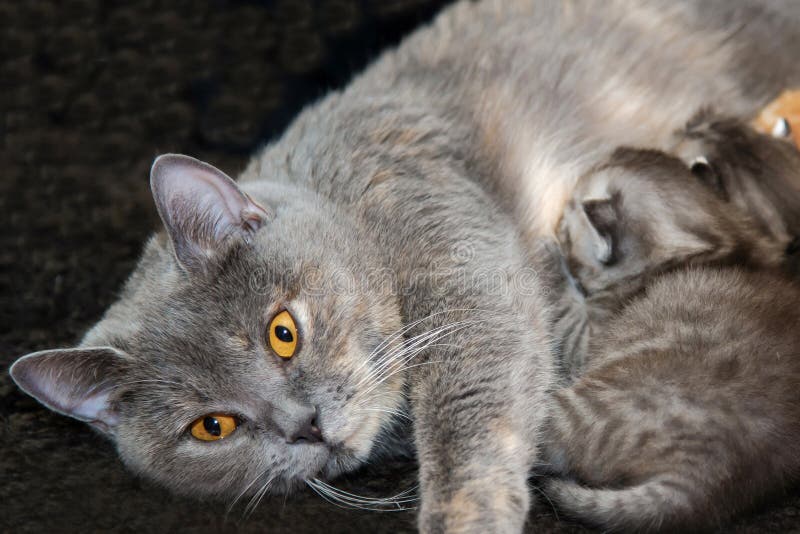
x=213 y=426
x=283 y=335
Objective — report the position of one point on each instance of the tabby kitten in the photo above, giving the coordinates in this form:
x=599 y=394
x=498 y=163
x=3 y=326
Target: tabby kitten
x=643 y=212
x=736 y=199
x=683 y=407
x=689 y=410
x=639 y=214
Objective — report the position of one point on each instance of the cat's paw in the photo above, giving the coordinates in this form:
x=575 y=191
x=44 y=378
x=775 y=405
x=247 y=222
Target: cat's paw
x=476 y=510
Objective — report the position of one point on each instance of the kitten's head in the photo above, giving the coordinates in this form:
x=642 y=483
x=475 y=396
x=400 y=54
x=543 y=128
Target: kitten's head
x=759 y=173
x=643 y=212
x=247 y=348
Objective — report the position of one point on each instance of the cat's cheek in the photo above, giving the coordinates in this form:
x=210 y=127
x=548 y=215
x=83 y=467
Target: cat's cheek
x=192 y=469
x=361 y=441
x=357 y=435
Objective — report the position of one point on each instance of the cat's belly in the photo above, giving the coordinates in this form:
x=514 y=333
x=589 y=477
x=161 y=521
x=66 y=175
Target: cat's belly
x=624 y=77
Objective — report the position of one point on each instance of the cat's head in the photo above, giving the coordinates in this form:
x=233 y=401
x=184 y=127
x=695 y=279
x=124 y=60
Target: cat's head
x=760 y=173
x=249 y=347
x=643 y=212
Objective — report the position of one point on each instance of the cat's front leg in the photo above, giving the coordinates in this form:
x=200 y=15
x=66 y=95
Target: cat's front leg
x=477 y=411
x=464 y=501
x=473 y=465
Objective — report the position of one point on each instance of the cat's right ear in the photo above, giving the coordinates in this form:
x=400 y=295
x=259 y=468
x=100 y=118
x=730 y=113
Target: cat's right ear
x=602 y=217
x=202 y=209
x=76 y=382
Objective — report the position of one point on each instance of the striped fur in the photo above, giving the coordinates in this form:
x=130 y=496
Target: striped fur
x=679 y=334
x=639 y=214
x=689 y=411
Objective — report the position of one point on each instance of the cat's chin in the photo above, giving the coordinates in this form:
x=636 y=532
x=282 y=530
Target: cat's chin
x=339 y=464
x=317 y=462
x=309 y=460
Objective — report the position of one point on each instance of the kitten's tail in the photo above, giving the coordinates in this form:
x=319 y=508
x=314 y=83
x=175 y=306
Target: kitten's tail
x=658 y=504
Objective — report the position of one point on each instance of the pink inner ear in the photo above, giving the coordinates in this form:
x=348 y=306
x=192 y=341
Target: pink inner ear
x=87 y=406
x=75 y=382
x=95 y=408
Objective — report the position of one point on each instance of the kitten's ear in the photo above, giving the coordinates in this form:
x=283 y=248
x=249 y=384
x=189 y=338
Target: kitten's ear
x=602 y=217
x=708 y=175
x=73 y=382
x=202 y=208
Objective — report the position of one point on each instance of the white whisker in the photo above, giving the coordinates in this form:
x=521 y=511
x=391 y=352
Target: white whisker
x=401 y=331
x=230 y=507
x=418 y=342
x=367 y=499
x=255 y=500
x=345 y=499
x=552 y=505
x=394 y=413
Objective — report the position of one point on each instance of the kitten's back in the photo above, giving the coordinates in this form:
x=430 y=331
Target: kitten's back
x=690 y=409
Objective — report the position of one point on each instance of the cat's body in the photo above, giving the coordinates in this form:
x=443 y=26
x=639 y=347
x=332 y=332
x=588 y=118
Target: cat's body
x=433 y=170
x=689 y=409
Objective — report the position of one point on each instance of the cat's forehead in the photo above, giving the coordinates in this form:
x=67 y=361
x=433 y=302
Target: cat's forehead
x=228 y=305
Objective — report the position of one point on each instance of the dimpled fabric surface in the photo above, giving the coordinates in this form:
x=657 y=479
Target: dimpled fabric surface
x=90 y=92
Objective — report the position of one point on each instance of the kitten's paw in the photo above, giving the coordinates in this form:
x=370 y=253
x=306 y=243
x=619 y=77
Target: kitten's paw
x=548 y=259
x=548 y=247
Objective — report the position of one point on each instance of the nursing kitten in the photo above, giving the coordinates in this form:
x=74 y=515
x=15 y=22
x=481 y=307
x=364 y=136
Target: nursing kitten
x=756 y=172
x=674 y=417
x=736 y=199
x=271 y=335
x=637 y=215
x=643 y=212
x=689 y=410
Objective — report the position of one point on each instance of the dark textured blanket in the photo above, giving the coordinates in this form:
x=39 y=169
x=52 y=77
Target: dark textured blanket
x=90 y=92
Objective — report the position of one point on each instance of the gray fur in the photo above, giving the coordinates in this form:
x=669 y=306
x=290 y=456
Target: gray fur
x=689 y=410
x=439 y=164
x=758 y=173
x=637 y=215
x=683 y=408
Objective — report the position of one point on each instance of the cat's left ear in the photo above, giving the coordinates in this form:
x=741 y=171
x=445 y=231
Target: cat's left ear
x=202 y=208
x=76 y=382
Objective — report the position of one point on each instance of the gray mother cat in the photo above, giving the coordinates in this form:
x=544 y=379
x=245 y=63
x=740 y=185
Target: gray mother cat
x=257 y=318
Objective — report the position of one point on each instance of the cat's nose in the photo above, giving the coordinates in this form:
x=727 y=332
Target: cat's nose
x=301 y=426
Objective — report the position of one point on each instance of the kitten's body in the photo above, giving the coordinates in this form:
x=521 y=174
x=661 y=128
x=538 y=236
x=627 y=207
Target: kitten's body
x=436 y=166
x=637 y=215
x=684 y=407
x=689 y=409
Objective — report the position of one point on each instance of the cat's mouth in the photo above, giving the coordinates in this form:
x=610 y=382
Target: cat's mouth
x=348 y=453
x=310 y=459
